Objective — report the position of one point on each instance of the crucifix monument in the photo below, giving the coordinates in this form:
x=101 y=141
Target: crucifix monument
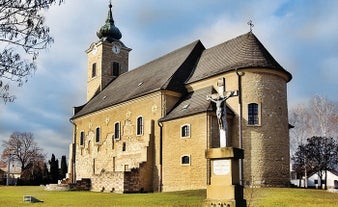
x=220 y=100
x=224 y=189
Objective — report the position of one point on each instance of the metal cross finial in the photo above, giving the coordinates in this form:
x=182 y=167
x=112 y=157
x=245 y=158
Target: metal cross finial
x=251 y=25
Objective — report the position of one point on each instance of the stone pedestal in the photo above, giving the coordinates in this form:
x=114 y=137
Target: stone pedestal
x=224 y=189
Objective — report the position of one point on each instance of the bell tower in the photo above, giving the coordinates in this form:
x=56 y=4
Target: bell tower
x=107 y=58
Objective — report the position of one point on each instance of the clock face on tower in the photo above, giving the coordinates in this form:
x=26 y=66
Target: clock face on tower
x=116 y=49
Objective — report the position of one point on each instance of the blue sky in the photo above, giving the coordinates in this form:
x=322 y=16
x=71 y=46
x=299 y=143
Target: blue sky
x=301 y=35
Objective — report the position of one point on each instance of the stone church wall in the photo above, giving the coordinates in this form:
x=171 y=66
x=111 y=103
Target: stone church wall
x=118 y=182
x=108 y=182
x=130 y=151
x=184 y=177
x=266 y=145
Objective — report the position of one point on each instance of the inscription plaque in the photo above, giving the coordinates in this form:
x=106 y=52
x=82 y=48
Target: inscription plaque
x=221 y=167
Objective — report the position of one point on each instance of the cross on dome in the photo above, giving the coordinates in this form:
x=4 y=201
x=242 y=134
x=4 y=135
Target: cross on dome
x=109 y=32
x=251 y=25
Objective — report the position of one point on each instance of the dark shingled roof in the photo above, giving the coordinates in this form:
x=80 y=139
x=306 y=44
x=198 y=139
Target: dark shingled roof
x=193 y=103
x=183 y=66
x=244 y=51
x=167 y=72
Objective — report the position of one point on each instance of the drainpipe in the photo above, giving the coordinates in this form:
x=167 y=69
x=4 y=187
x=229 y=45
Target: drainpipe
x=73 y=152
x=240 y=133
x=159 y=123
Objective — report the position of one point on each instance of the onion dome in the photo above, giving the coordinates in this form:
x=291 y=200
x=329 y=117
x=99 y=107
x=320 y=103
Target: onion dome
x=109 y=32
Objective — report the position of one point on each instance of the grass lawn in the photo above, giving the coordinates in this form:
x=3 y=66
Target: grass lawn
x=263 y=197
x=290 y=197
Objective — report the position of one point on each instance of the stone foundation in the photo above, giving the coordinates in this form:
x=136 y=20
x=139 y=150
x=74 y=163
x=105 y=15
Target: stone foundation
x=81 y=185
x=57 y=187
x=117 y=182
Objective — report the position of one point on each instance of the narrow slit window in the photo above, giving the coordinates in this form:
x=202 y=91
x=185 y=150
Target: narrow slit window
x=139 y=129
x=124 y=147
x=82 y=138
x=98 y=134
x=93 y=70
x=115 y=69
x=117 y=130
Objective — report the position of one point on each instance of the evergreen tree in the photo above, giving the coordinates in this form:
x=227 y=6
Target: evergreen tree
x=64 y=167
x=45 y=174
x=54 y=169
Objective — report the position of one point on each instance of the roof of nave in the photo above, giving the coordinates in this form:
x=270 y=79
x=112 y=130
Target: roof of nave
x=193 y=103
x=244 y=51
x=167 y=72
x=186 y=65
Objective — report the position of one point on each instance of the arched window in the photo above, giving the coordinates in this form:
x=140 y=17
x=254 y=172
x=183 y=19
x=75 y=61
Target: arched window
x=98 y=134
x=139 y=128
x=185 y=131
x=117 y=130
x=82 y=134
x=93 y=70
x=253 y=118
x=185 y=160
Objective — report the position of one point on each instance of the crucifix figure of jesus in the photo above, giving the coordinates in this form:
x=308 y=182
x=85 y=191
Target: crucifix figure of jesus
x=220 y=100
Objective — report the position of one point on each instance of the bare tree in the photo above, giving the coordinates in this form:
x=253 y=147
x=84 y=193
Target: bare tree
x=299 y=118
x=324 y=120
x=22 y=148
x=23 y=34
x=318 y=118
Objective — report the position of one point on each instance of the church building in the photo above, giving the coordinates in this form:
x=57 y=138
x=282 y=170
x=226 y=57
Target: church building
x=147 y=129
